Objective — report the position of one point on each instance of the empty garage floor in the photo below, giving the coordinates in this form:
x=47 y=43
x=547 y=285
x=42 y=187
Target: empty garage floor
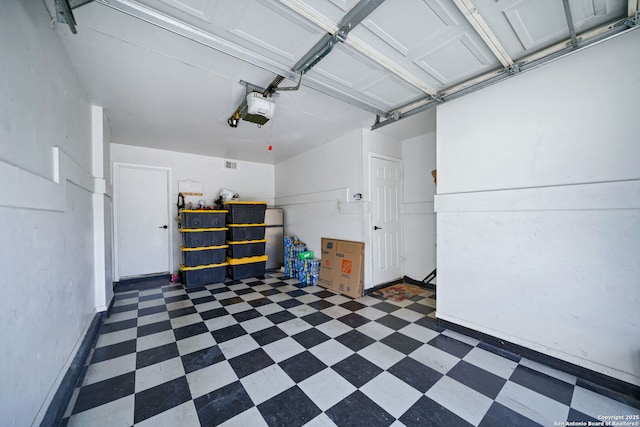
x=266 y=351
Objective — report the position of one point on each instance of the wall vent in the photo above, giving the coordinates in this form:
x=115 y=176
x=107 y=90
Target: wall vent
x=229 y=165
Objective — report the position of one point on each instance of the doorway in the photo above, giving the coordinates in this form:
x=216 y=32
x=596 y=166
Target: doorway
x=385 y=181
x=142 y=230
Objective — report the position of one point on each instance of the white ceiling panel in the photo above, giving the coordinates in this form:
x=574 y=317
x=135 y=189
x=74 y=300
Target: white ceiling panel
x=390 y=91
x=537 y=22
x=332 y=10
x=526 y=26
x=408 y=31
x=199 y=9
x=404 y=28
x=344 y=5
x=359 y=76
x=267 y=25
x=257 y=25
x=492 y=12
x=590 y=13
x=454 y=60
x=345 y=68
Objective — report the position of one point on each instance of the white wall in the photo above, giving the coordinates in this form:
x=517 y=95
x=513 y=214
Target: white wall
x=252 y=181
x=46 y=219
x=316 y=191
x=418 y=216
x=539 y=209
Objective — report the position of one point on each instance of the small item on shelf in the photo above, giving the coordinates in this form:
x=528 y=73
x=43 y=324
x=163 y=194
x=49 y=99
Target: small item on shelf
x=227 y=195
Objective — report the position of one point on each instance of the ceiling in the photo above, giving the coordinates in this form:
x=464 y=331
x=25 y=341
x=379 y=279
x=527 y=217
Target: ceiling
x=168 y=72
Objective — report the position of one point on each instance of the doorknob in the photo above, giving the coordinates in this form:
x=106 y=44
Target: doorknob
x=375 y=227
x=164 y=226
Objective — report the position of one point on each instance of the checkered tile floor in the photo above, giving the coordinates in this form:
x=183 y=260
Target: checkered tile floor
x=269 y=352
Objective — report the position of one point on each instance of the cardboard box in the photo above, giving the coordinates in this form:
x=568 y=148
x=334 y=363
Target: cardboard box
x=342 y=266
x=326 y=261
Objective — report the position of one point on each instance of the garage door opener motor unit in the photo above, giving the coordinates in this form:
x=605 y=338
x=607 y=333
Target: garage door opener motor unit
x=256 y=108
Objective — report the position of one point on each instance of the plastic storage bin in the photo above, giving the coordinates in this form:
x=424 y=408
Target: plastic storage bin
x=199 y=237
x=239 y=232
x=246 y=248
x=241 y=268
x=193 y=257
x=202 y=274
x=203 y=218
x=245 y=212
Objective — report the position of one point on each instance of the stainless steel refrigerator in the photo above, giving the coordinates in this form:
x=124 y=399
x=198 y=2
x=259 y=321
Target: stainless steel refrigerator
x=274 y=233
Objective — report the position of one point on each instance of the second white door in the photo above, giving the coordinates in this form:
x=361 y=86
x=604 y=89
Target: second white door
x=385 y=201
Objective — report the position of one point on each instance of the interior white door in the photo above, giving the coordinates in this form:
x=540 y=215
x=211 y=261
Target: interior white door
x=142 y=228
x=385 y=201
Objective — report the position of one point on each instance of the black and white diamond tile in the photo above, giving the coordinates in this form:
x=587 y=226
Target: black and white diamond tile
x=269 y=351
